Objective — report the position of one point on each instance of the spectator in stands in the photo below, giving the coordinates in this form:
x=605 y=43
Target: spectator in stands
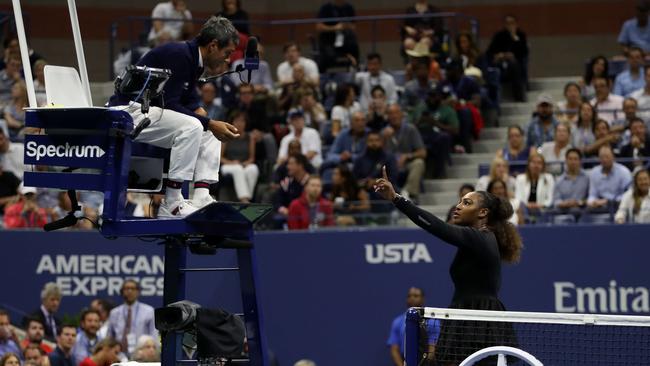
x=311 y=210
x=9 y=76
x=634 y=32
x=348 y=199
x=498 y=170
x=607 y=181
x=175 y=30
x=103 y=307
x=129 y=321
x=403 y=139
x=377 y=116
x=462 y=191
x=632 y=78
x=147 y=350
x=635 y=203
x=259 y=121
x=309 y=140
x=314 y=112
x=226 y=88
x=416 y=90
x=606 y=104
x=87 y=337
x=642 y=97
x=35 y=356
x=500 y=189
x=469 y=54
x=337 y=41
x=535 y=187
x=65 y=340
x=11 y=155
x=8 y=339
x=622 y=125
x=348 y=145
x=516 y=151
x=508 y=51
x=292 y=57
x=281 y=173
x=463 y=88
x=438 y=125
x=639 y=146
x=598 y=67
x=541 y=128
x=426 y=30
x=366 y=80
x=367 y=167
x=289 y=97
x=25 y=213
x=582 y=135
x=555 y=151
x=50 y=302
x=572 y=187
x=238 y=160
x=604 y=137
x=14 y=113
x=210 y=102
x=344 y=106
x=10 y=359
x=232 y=10
x=292 y=185
x=414 y=298
x=9 y=184
x=39 y=82
x=35 y=332
x=568 y=110
x=106 y=353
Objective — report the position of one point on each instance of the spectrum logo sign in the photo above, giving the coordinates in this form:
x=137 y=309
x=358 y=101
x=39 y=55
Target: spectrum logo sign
x=38 y=152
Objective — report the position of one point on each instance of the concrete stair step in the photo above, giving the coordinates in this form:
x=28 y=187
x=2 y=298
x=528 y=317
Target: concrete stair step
x=463 y=171
x=488 y=146
x=473 y=159
x=512 y=120
x=494 y=133
x=439 y=198
x=445 y=185
x=509 y=108
x=551 y=82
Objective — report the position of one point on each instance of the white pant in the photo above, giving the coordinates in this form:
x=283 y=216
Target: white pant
x=245 y=178
x=195 y=155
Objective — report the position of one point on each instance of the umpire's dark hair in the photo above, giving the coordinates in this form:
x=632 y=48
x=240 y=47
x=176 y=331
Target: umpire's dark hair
x=217 y=29
x=508 y=239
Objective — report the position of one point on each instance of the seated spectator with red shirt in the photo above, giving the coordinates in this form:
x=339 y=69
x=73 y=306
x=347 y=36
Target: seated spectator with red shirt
x=311 y=210
x=25 y=213
x=35 y=333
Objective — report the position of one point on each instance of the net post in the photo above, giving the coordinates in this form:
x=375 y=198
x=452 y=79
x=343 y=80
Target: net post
x=412 y=334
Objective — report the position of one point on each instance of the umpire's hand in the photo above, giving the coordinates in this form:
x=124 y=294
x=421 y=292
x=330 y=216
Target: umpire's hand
x=222 y=130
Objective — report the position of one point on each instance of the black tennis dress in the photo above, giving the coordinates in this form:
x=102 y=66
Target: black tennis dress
x=476 y=273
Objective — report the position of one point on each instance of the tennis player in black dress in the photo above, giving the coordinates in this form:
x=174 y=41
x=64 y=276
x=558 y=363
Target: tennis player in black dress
x=484 y=239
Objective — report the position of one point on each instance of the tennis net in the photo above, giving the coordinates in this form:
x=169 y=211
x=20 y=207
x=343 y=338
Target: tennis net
x=527 y=337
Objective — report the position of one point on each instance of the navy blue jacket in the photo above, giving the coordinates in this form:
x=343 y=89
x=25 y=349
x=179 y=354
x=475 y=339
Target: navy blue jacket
x=180 y=93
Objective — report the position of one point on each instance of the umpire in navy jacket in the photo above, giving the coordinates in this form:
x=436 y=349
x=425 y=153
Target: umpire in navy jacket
x=177 y=121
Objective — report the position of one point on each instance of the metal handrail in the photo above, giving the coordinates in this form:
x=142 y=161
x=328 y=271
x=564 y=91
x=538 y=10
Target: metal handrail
x=292 y=23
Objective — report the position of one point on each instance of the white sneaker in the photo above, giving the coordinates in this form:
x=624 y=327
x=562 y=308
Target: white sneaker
x=202 y=202
x=177 y=209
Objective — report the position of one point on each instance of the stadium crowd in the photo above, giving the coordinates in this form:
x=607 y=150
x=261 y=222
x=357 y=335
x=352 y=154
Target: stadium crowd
x=318 y=131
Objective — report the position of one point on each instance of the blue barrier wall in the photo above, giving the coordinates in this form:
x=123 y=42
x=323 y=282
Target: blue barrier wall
x=331 y=296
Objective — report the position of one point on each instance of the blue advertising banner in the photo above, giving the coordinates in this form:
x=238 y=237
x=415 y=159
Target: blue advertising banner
x=331 y=296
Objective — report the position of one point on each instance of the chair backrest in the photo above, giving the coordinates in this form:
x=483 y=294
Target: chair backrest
x=63 y=87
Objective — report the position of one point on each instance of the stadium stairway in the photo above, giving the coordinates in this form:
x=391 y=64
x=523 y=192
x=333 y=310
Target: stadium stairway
x=440 y=194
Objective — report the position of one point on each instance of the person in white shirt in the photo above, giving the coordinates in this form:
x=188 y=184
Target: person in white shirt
x=635 y=204
x=345 y=106
x=171 y=29
x=309 y=140
x=535 y=187
x=554 y=151
x=11 y=153
x=498 y=170
x=609 y=106
x=291 y=57
x=366 y=80
x=642 y=97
